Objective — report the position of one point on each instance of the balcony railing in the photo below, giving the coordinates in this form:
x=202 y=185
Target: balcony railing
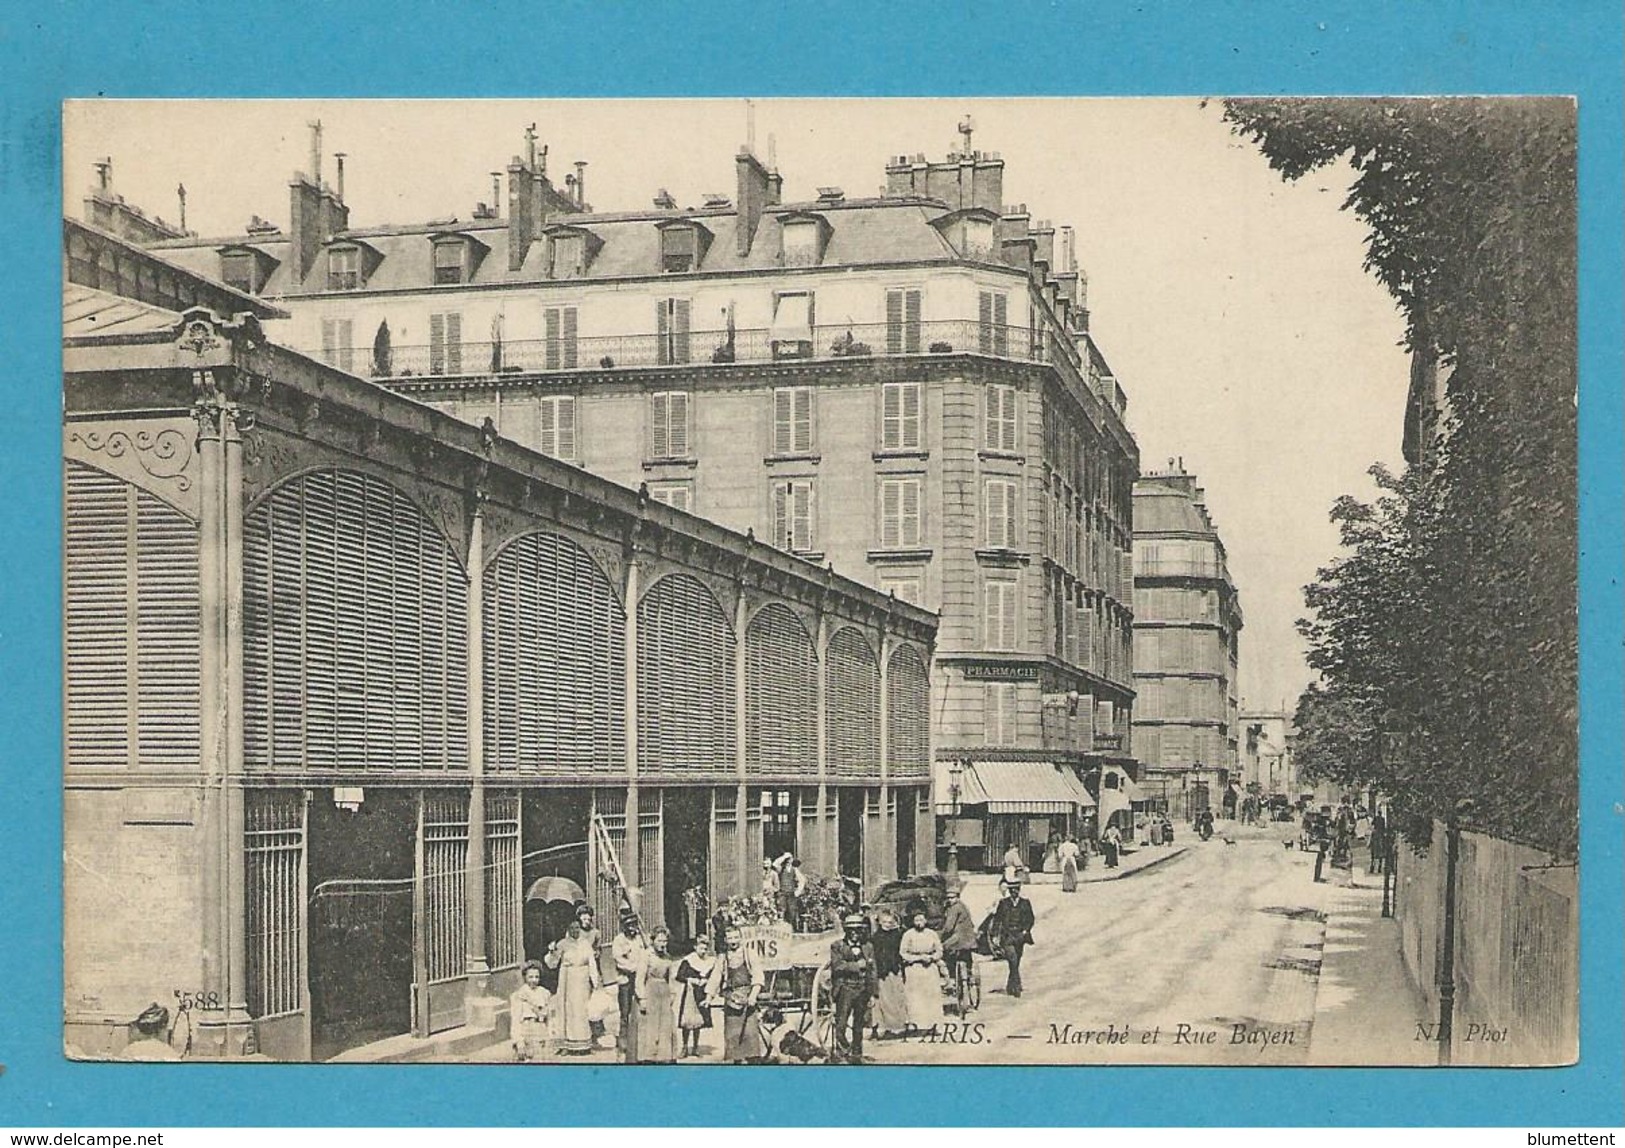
x=426 y=363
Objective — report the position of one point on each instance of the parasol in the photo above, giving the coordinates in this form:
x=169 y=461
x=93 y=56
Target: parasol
x=555 y=889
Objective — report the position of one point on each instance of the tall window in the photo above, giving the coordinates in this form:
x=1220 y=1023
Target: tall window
x=672 y=331
x=794 y=526
x=999 y=514
x=792 y=420
x=993 y=323
x=903 y=322
x=899 y=513
x=999 y=713
x=448 y=261
x=669 y=424
x=1000 y=423
x=559 y=338
x=338 y=344
x=900 y=416
x=343 y=268
x=446 y=343
x=556 y=416
x=999 y=613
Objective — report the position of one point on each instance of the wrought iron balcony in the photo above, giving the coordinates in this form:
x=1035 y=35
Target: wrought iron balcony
x=411 y=366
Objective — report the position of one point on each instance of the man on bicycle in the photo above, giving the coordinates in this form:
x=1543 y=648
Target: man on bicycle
x=958 y=936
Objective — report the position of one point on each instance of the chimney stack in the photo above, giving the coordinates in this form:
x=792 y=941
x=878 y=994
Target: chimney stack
x=496 y=193
x=315 y=213
x=521 y=207
x=316 y=152
x=180 y=194
x=757 y=189
x=581 y=184
x=338 y=175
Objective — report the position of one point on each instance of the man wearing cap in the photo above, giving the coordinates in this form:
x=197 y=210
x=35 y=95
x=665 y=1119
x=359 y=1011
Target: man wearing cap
x=629 y=952
x=958 y=933
x=1013 y=926
x=853 y=986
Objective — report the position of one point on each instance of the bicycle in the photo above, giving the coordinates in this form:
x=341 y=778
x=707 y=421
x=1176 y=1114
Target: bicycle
x=966 y=986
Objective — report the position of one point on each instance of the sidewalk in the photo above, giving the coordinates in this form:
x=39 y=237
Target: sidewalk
x=1366 y=1009
x=1129 y=863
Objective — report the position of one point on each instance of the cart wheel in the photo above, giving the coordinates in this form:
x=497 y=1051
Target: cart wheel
x=974 y=988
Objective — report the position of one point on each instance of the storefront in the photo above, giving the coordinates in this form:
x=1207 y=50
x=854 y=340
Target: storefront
x=988 y=807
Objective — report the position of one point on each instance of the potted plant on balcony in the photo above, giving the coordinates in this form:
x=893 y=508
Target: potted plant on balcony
x=942 y=348
x=847 y=346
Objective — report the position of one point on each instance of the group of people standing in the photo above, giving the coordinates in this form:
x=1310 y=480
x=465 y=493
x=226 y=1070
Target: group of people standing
x=664 y=1003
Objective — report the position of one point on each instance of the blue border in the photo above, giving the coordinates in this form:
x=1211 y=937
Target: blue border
x=122 y=48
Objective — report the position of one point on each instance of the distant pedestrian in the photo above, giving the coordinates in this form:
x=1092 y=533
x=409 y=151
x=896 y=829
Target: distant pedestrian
x=1015 y=863
x=958 y=933
x=1379 y=842
x=1322 y=845
x=1013 y=930
x=1111 y=842
x=1070 y=856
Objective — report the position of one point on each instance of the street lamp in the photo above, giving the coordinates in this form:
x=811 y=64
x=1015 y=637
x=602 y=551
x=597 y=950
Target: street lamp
x=956 y=772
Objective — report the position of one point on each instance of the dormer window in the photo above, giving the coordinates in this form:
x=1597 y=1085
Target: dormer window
x=450 y=261
x=970 y=232
x=679 y=249
x=343 y=268
x=978 y=242
x=237 y=270
x=801 y=243
x=568 y=256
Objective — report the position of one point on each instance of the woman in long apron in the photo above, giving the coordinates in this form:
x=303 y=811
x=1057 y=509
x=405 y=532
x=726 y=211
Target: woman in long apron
x=657 y=1018
x=577 y=963
x=693 y=1008
x=921 y=953
x=891 y=1004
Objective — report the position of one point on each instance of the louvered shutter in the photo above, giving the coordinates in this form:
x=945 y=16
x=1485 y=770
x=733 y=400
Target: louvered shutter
x=552 y=340
x=894 y=322
x=908 y=533
x=852 y=715
x=1009 y=618
x=570 y=332
x=97 y=547
x=1007 y=423
x=910 y=439
x=801 y=517
x=801 y=426
x=454 y=343
x=553 y=661
x=547 y=412
x=781 y=735
x=908 y=708
x=890 y=514
x=566 y=419
x=677 y=424
x=663 y=342
x=346 y=337
x=659 y=440
x=437 y=344
x=984 y=323
x=891 y=416
x=680 y=330
x=783 y=416
x=911 y=323
x=685 y=664
x=781 y=515
x=1001 y=324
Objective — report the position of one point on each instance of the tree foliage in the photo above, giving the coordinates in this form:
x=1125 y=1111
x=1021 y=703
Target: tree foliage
x=1446 y=636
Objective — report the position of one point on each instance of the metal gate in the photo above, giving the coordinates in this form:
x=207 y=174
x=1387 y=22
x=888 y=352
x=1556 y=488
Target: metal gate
x=724 y=878
x=651 y=903
x=275 y=876
x=609 y=807
x=439 y=917
x=504 y=905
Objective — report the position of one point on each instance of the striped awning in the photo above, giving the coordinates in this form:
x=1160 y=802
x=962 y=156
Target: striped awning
x=1012 y=787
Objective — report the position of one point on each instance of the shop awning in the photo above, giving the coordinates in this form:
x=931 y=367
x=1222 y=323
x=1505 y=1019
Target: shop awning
x=1012 y=787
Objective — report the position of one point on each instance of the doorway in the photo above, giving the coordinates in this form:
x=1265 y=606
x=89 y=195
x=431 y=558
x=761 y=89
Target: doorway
x=849 y=831
x=361 y=890
x=553 y=827
x=903 y=830
x=686 y=861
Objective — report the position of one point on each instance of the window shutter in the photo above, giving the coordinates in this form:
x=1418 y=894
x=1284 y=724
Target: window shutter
x=685 y=662
x=911 y=322
x=97 y=545
x=548 y=430
x=659 y=441
x=909 y=526
x=890 y=514
x=891 y=416
x=680 y=329
x=437 y=344
x=553 y=355
x=894 y=322
x=852 y=712
x=677 y=431
x=781 y=734
x=783 y=402
x=1001 y=324
x=801 y=437
x=346 y=345
x=454 y=343
x=910 y=416
x=984 y=323
x=663 y=351
x=1008 y=622
x=802 y=515
x=1007 y=425
x=570 y=361
x=566 y=421
x=781 y=515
